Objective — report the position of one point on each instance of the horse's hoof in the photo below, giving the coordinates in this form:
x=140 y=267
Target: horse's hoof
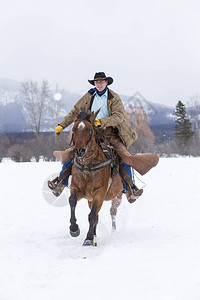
x=89 y=243
x=75 y=233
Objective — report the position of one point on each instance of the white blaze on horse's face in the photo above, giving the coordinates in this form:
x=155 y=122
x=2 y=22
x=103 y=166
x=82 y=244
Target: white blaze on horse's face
x=81 y=125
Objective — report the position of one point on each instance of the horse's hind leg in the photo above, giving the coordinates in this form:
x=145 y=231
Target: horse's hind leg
x=113 y=210
x=74 y=229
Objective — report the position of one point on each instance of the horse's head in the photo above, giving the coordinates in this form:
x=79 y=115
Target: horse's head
x=82 y=132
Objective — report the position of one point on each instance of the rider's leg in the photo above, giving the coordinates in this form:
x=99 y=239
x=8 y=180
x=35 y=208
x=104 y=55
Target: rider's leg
x=64 y=167
x=130 y=189
x=58 y=184
x=65 y=157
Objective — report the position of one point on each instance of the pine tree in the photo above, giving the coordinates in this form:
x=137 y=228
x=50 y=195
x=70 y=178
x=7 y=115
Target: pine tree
x=183 y=131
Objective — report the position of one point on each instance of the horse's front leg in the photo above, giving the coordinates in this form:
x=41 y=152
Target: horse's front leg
x=73 y=229
x=93 y=220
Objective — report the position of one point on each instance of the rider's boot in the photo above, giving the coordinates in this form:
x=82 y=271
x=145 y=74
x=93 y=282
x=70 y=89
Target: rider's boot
x=58 y=189
x=133 y=192
x=58 y=184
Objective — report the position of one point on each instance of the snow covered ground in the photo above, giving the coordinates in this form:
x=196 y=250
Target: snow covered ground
x=155 y=254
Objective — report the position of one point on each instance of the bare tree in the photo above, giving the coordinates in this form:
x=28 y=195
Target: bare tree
x=34 y=99
x=193 y=111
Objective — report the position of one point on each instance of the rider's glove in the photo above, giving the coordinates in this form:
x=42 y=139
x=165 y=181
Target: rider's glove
x=58 y=129
x=97 y=122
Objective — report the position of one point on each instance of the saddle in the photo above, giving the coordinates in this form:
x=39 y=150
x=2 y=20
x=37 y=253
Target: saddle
x=108 y=150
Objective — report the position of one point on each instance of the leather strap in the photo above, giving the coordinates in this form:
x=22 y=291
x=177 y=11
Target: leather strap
x=94 y=167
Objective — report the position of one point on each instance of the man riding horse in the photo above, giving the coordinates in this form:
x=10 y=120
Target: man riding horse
x=111 y=120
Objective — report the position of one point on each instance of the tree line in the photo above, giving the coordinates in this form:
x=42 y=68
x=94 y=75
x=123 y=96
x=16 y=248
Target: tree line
x=25 y=147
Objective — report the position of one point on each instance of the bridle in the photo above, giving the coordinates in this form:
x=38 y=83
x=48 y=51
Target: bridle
x=87 y=145
x=92 y=167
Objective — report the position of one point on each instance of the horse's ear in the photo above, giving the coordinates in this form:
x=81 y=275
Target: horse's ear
x=96 y=113
x=92 y=117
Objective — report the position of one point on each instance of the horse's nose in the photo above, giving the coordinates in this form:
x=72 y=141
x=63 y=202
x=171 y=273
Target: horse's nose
x=79 y=152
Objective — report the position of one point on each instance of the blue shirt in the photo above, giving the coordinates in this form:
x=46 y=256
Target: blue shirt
x=101 y=102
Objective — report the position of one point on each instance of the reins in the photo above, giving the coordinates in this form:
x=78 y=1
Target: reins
x=93 y=167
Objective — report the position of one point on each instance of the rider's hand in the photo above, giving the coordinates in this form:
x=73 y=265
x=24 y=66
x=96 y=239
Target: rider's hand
x=58 y=129
x=97 y=122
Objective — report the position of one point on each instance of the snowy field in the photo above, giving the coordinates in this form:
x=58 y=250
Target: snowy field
x=154 y=255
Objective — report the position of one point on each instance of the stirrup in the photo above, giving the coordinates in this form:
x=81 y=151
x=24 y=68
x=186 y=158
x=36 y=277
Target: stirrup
x=56 y=188
x=133 y=195
x=57 y=191
x=52 y=184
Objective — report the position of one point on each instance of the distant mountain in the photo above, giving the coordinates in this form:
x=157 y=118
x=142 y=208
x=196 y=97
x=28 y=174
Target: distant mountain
x=157 y=113
x=161 y=117
x=13 y=117
x=9 y=84
x=9 y=91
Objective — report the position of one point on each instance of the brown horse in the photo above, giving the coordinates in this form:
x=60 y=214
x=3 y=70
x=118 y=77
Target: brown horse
x=91 y=177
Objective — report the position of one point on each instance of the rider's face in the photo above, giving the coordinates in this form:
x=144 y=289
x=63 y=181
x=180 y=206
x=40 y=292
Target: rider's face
x=101 y=85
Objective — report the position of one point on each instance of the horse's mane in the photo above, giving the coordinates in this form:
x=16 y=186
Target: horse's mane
x=83 y=115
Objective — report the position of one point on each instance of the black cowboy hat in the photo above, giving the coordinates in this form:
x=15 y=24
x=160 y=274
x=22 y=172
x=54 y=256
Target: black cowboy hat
x=101 y=76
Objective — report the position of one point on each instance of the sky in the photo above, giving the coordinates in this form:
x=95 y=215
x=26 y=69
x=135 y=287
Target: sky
x=148 y=46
